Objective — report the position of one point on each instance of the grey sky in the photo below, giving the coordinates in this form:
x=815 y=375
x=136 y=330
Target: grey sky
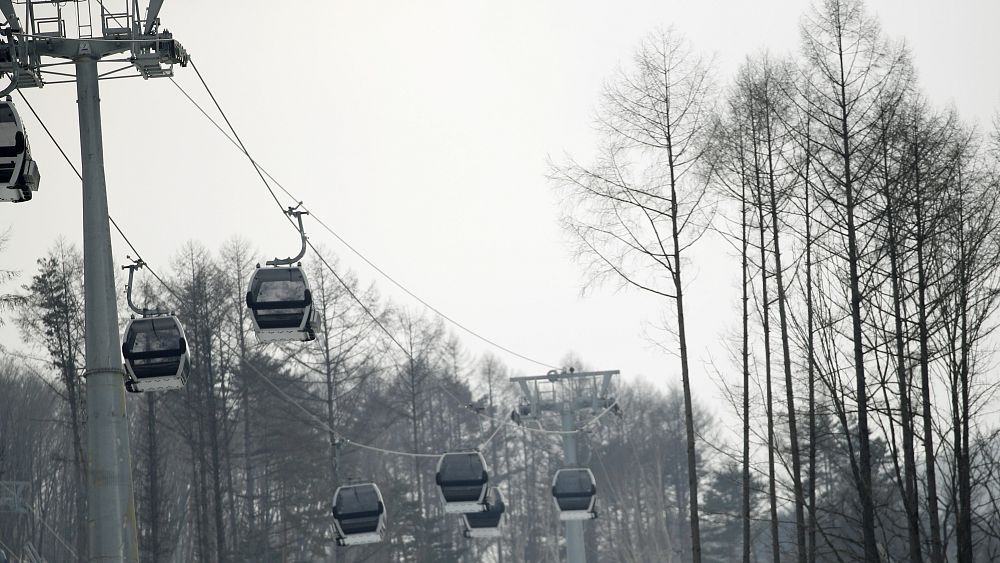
x=420 y=132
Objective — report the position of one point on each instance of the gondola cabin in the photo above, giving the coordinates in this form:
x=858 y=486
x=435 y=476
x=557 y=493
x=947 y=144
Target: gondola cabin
x=156 y=355
x=281 y=305
x=488 y=523
x=359 y=514
x=462 y=480
x=575 y=493
x=18 y=171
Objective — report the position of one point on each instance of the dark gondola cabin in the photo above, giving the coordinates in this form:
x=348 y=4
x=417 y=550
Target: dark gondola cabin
x=575 y=493
x=156 y=355
x=281 y=305
x=486 y=524
x=462 y=480
x=359 y=514
x=18 y=172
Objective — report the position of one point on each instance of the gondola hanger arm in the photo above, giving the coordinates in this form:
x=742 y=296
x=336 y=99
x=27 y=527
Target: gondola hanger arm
x=136 y=265
x=293 y=212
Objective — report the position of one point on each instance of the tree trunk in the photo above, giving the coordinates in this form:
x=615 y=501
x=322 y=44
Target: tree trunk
x=861 y=389
x=766 y=320
x=213 y=435
x=331 y=399
x=793 y=435
x=910 y=502
x=937 y=553
x=415 y=435
x=744 y=228
x=79 y=462
x=769 y=392
x=692 y=460
x=811 y=356
x=960 y=392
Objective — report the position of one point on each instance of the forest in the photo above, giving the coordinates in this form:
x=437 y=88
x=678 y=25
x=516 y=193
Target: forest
x=857 y=414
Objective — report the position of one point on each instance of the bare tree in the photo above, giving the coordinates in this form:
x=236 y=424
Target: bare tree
x=643 y=204
x=889 y=293
x=51 y=314
x=973 y=256
x=850 y=72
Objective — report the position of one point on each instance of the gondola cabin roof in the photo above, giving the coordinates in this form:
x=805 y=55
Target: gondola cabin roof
x=574 y=481
x=461 y=467
x=282 y=273
x=356 y=499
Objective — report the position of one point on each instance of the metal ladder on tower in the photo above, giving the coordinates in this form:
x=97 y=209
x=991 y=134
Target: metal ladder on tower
x=84 y=20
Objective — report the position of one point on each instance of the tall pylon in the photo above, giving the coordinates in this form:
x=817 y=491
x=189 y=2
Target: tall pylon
x=566 y=393
x=28 y=38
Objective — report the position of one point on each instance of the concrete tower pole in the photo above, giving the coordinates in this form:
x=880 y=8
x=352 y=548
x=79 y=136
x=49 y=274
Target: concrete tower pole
x=111 y=508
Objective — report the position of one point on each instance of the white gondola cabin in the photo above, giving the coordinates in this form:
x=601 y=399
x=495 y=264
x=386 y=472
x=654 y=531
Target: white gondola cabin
x=359 y=514
x=281 y=305
x=156 y=355
x=575 y=493
x=462 y=480
x=488 y=523
x=18 y=171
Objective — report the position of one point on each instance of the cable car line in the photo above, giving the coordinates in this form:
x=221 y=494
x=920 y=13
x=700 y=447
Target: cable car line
x=319 y=422
x=262 y=172
x=156 y=358
x=359 y=510
x=277 y=201
x=253 y=368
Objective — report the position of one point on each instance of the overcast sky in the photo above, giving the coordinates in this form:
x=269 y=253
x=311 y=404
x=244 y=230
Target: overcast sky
x=420 y=131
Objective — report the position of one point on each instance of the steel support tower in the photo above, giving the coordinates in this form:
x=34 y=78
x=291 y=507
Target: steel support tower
x=567 y=393
x=111 y=520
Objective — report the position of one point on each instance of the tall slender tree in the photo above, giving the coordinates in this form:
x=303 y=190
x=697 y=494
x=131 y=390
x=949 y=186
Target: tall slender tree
x=850 y=72
x=51 y=314
x=641 y=207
